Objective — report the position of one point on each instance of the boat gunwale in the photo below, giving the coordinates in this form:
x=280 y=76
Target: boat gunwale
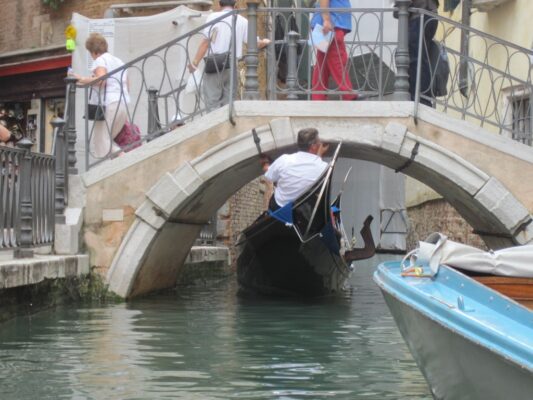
x=465 y=323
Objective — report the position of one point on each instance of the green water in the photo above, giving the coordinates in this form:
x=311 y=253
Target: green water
x=208 y=343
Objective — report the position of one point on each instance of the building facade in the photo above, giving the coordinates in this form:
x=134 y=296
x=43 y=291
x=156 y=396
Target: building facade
x=507 y=20
x=34 y=58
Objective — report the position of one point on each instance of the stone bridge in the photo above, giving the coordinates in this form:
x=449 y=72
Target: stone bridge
x=145 y=209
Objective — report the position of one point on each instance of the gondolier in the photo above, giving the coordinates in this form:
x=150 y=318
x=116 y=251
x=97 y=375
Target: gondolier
x=293 y=174
x=300 y=248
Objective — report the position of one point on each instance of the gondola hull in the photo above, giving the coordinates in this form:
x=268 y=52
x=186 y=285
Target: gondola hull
x=273 y=260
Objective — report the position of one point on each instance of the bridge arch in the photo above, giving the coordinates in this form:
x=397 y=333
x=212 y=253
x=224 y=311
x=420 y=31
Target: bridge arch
x=173 y=210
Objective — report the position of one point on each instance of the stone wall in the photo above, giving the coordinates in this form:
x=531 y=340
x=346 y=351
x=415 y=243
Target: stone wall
x=240 y=211
x=30 y=24
x=439 y=216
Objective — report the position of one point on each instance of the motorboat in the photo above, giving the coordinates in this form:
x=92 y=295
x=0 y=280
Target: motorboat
x=466 y=316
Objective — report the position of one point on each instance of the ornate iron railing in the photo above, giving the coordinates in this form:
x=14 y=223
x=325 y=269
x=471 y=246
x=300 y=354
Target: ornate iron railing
x=161 y=97
x=10 y=189
x=489 y=82
x=369 y=68
x=34 y=187
x=489 y=85
x=27 y=189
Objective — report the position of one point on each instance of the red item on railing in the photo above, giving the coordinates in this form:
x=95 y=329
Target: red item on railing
x=129 y=137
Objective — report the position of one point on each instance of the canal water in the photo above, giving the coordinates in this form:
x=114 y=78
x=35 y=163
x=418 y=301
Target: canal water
x=205 y=342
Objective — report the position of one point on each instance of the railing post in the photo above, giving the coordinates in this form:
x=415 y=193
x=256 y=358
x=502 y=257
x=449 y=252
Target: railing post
x=70 y=126
x=25 y=249
x=251 y=86
x=292 y=73
x=153 y=111
x=60 y=154
x=401 y=84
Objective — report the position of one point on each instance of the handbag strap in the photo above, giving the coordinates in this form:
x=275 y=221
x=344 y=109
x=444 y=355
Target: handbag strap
x=105 y=86
x=105 y=92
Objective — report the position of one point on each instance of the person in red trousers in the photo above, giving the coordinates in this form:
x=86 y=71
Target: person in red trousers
x=333 y=63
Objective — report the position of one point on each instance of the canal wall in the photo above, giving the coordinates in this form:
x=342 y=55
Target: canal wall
x=205 y=263
x=30 y=285
x=437 y=215
x=30 y=271
x=240 y=211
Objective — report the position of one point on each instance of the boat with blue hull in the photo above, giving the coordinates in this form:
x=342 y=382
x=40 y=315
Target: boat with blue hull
x=470 y=342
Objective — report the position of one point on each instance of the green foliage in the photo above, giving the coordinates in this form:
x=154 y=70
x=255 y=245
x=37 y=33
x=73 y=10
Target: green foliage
x=53 y=4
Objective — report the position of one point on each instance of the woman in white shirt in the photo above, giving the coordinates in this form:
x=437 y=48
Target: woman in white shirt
x=113 y=93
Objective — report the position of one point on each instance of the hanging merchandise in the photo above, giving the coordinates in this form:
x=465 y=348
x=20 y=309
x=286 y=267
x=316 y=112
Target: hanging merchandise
x=70 y=35
x=12 y=117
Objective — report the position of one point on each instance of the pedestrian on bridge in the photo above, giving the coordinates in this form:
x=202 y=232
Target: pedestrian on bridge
x=113 y=93
x=334 y=62
x=216 y=44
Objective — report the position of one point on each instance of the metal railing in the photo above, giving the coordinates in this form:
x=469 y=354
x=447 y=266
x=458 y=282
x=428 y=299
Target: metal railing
x=368 y=69
x=489 y=85
x=208 y=234
x=158 y=92
x=27 y=188
x=489 y=82
x=34 y=187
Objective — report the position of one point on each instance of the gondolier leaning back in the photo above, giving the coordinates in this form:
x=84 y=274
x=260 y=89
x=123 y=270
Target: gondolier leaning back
x=292 y=174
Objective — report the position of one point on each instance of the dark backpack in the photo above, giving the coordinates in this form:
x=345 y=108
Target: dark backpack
x=440 y=68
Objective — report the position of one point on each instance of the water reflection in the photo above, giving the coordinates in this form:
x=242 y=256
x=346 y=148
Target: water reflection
x=207 y=343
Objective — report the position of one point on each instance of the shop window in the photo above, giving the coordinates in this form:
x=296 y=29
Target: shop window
x=13 y=117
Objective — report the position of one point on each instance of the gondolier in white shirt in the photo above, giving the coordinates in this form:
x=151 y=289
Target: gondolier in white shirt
x=293 y=174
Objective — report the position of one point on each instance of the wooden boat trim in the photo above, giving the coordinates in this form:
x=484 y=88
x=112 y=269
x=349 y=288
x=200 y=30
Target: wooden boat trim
x=518 y=289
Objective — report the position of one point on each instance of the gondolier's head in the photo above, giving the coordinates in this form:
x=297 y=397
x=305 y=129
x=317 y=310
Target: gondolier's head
x=306 y=138
x=309 y=141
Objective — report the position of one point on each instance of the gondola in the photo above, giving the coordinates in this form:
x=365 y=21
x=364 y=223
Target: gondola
x=301 y=248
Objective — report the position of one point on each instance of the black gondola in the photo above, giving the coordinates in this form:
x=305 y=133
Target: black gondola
x=300 y=249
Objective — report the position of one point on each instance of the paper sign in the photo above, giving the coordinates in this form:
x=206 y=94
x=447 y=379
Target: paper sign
x=319 y=39
x=106 y=28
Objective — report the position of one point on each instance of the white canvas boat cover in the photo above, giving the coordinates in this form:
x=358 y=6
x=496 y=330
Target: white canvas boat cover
x=438 y=250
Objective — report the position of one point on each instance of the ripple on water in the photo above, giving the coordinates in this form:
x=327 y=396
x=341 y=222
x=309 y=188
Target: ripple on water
x=207 y=343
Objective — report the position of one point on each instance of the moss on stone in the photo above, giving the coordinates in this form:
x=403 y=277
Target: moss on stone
x=30 y=299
